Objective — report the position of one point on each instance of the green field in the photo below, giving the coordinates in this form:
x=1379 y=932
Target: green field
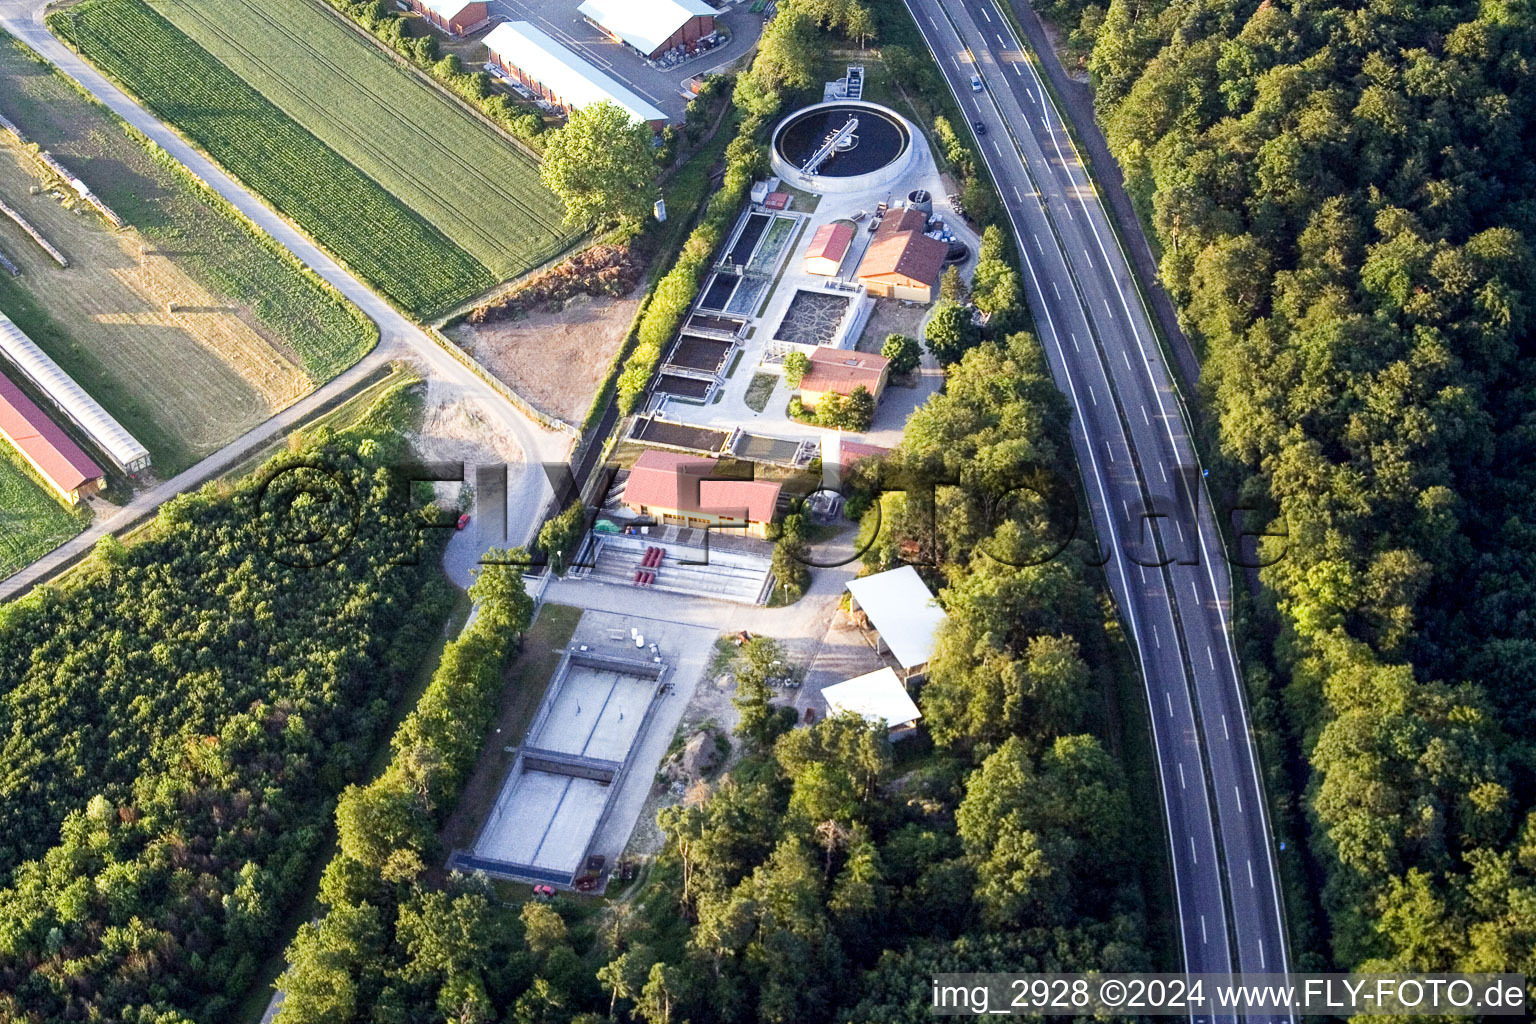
x=157 y=196
x=429 y=149
x=374 y=233
x=32 y=522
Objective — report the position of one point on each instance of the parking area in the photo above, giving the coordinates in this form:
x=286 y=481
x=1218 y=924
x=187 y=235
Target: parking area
x=662 y=86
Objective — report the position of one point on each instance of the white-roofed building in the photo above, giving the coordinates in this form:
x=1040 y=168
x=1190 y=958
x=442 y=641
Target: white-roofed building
x=456 y=17
x=651 y=27
x=557 y=75
x=902 y=611
x=60 y=388
x=878 y=696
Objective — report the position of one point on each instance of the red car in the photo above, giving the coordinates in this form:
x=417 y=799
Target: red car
x=463 y=521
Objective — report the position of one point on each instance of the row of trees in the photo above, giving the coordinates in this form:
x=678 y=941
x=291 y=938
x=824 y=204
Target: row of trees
x=1343 y=196
x=180 y=717
x=462 y=955
x=392 y=28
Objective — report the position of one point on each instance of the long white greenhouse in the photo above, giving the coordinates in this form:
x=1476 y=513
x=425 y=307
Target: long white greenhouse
x=49 y=377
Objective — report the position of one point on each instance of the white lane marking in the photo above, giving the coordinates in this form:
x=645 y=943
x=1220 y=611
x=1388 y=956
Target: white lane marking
x=1261 y=954
x=1126 y=505
x=1169 y=698
x=1203 y=937
x=933 y=23
x=1109 y=448
x=1074 y=343
x=1055 y=289
x=1196 y=858
x=1155 y=638
x=997 y=149
x=1145 y=417
x=1126 y=358
x=1108 y=310
x=1140 y=568
x=1069 y=212
x=1019 y=72
x=1092 y=395
x=984 y=14
x=1209 y=657
x=1250 y=874
x=1088 y=258
x=1239 y=793
x=1182 y=786
x=1018 y=193
x=1163 y=471
x=1002 y=42
x=1178 y=526
x=1040 y=248
x=1224 y=731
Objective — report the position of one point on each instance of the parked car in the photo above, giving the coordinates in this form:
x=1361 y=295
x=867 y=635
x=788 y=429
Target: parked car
x=463 y=521
x=975 y=83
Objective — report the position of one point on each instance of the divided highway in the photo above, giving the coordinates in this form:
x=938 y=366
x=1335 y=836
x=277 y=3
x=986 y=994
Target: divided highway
x=1137 y=462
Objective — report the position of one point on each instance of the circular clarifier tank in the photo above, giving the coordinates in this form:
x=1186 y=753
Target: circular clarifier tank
x=842 y=146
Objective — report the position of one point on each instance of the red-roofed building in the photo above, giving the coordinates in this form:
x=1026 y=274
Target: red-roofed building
x=839 y=371
x=776 y=201
x=902 y=262
x=44 y=444
x=828 y=247
x=674 y=488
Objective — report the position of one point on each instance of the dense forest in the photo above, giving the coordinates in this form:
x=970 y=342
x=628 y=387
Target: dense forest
x=1344 y=196
x=178 y=717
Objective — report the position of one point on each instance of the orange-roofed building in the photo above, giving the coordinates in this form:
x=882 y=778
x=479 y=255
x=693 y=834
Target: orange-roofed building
x=676 y=489
x=829 y=246
x=45 y=446
x=902 y=262
x=837 y=371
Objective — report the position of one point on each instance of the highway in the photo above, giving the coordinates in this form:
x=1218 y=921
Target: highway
x=1135 y=455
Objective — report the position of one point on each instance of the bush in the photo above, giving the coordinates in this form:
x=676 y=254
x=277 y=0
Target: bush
x=903 y=352
x=796 y=365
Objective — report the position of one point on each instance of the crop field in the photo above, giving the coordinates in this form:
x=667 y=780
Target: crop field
x=178 y=366
x=32 y=521
x=375 y=234
x=431 y=151
x=178 y=220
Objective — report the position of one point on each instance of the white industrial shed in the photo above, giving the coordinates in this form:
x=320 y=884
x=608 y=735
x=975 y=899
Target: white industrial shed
x=877 y=696
x=900 y=608
x=49 y=377
x=557 y=74
x=651 y=25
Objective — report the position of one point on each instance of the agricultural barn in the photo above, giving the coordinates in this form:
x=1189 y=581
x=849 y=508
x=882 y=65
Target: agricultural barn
x=902 y=262
x=556 y=74
x=44 y=444
x=48 y=377
x=900 y=608
x=456 y=17
x=837 y=371
x=651 y=27
x=828 y=248
x=674 y=488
